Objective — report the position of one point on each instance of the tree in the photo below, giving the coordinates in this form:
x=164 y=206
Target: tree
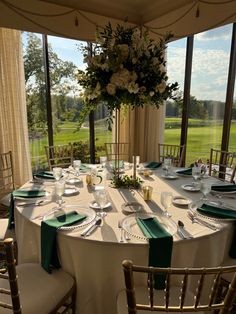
x=62 y=74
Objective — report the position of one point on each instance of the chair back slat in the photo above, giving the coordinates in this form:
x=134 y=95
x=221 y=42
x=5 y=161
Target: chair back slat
x=59 y=155
x=6 y=173
x=174 y=152
x=204 y=281
x=222 y=165
x=113 y=150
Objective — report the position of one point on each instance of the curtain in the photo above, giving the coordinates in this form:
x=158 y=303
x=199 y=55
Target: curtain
x=13 y=114
x=143 y=128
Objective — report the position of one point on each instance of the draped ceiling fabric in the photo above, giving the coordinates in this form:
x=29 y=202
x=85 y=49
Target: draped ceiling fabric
x=13 y=116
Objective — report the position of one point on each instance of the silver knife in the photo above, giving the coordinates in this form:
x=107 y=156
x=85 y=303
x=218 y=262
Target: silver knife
x=87 y=231
x=206 y=224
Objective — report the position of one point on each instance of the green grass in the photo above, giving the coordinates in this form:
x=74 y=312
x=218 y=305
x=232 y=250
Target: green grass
x=200 y=138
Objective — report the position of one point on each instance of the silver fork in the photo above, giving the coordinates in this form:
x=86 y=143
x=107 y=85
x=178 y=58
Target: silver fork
x=200 y=221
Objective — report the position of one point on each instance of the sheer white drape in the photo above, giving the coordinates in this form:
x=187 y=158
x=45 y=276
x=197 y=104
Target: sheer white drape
x=13 y=115
x=143 y=128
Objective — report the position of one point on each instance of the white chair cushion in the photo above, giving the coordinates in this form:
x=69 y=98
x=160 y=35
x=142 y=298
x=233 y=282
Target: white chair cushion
x=39 y=291
x=4 y=232
x=142 y=297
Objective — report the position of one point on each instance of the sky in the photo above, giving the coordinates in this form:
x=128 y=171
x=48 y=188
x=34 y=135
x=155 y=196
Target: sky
x=210 y=61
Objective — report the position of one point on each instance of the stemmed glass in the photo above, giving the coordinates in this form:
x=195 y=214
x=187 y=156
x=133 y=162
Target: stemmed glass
x=103 y=160
x=101 y=198
x=166 y=201
x=60 y=190
x=167 y=165
x=196 y=173
x=57 y=173
x=205 y=189
x=76 y=166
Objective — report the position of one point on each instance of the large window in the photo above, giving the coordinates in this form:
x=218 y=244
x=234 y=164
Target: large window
x=208 y=91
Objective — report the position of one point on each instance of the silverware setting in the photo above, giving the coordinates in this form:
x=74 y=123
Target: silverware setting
x=121 y=231
x=42 y=215
x=182 y=232
x=91 y=228
x=36 y=203
x=195 y=219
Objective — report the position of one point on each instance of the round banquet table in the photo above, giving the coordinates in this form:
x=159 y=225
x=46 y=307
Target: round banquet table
x=96 y=261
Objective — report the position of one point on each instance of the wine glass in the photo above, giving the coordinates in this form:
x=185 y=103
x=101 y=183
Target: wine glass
x=205 y=189
x=101 y=198
x=196 y=173
x=103 y=160
x=76 y=166
x=166 y=201
x=60 y=190
x=57 y=173
x=167 y=165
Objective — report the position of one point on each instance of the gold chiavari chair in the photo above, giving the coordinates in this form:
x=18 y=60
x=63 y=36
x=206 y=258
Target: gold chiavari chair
x=59 y=155
x=175 y=152
x=6 y=178
x=113 y=149
x=28 y=288
x=176 y=297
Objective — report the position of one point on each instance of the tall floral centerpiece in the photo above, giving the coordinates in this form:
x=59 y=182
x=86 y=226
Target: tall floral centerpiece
x=125 y=68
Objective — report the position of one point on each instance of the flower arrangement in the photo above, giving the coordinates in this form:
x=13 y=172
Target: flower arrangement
x=127 y=67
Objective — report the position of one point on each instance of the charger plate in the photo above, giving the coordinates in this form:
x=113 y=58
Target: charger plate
x=129 y=224
x=81 y=210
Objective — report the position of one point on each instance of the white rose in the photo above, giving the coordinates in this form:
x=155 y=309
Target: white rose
x=151 y=93
x=124 y=50
x=111 y=89
x=161 y=87
x=133 y=88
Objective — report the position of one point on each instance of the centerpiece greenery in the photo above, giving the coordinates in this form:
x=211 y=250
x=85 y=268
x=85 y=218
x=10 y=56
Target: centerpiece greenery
x=126 y=68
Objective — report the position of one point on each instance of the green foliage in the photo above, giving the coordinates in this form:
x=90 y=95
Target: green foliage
x=126 y=181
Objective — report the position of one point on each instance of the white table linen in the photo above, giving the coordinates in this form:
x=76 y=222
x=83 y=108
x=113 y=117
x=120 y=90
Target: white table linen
x=95 y=261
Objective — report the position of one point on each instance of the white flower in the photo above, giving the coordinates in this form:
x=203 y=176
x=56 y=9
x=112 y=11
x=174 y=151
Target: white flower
x=133 y=88
x=151 y=93
x=124 y=50
x=161 y=87
x=111 y=89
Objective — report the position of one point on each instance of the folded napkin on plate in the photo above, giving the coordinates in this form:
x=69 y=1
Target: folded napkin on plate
x=44 y=175
x=49 y=256
x=84 y=168
x=222 y=213
x=187 y=171
x=153 y=165
x=160 y=246
x=118 y=162
x=23 y=194
x=224 y=188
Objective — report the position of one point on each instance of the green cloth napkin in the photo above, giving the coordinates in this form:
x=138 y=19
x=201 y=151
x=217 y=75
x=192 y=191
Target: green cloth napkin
x=153 y=165
x=160 y=247
x=84 y=168
x=23 y=194
x=187 y=171
x=44 y=175
x=119 y=162
x=222 y=213
x=49 y=256
x=224 y=188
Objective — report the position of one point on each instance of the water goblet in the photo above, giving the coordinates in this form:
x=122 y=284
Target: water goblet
x=103 y=160
x=76 y=166
x=60 y=190
x=196 y=173
x=205 y=189
x=166 y=201
x=167 y=165
x=57 y=173
x=101 y=198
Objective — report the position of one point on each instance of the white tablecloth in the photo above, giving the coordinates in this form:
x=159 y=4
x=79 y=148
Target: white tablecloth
x=95 y=262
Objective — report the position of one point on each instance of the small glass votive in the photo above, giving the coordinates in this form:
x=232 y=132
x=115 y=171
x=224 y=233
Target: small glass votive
x=147 y=193
x=147 y=172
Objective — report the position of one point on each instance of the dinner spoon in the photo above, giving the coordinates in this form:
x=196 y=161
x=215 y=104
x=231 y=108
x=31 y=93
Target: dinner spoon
x=182 y=232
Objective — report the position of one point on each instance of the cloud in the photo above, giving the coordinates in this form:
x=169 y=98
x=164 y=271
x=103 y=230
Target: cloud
x=209 y=71
x=220 y=33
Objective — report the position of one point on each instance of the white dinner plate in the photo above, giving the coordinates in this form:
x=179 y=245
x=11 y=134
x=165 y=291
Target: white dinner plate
x=94 y=205
x=181 y=200
x=73 y=180
x=82 y=210
x=131 y=207
x=71 y=191
x=169 y=176
x=190 y=187
x=129 y=224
